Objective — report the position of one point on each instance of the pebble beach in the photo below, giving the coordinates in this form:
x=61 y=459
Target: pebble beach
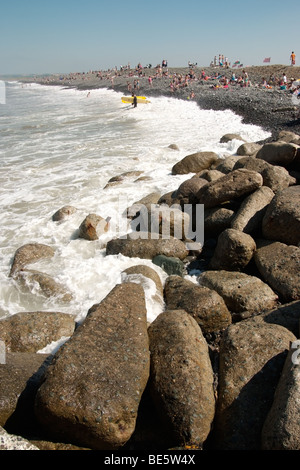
x=264 y=102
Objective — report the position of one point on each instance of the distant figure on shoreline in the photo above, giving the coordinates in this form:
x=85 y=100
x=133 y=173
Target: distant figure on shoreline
x=293 y=58
x=134 y=103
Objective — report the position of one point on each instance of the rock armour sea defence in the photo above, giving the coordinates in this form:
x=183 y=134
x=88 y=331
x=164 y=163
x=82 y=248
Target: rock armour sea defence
x=92 y=390
x=208 y=372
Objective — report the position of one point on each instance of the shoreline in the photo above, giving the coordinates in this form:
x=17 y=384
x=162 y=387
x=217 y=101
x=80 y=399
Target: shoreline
x=269 y=107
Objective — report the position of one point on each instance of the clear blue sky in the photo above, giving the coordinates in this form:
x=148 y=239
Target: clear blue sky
x=37 y=36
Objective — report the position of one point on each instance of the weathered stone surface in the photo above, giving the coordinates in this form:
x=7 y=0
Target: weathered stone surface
x=181 y=377
x=92 y=389
x=243 y=294
x=278 y=153
x=226 y=165
x=147 y=249
x=30 y=253
x=275 y=177
x=248 y=149
x=249 y=216
x=145 y=271
x=189 y=188
x=32 y=331
x=209 y=175
x=281 y=221
x=252 y=355
x=20 y=378
x=279 y=266
x=169 y=264
x=145 y=202
x=234 y=250
x=206 y=306
x=30 y=279
x=216 y=220
x=194 y=163
x=12 y=442
x=289 y=137
x=281 y=430
x=63 y=213
x=287 y=315
x=92 y=227
x=235 y=184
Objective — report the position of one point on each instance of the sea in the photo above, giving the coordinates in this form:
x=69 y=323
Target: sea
x=61 y=146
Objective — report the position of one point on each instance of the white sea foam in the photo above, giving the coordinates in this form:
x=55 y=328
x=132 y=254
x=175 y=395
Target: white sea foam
x=59 y=147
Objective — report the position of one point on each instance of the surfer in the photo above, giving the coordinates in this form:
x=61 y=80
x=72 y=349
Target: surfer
x=134 y=102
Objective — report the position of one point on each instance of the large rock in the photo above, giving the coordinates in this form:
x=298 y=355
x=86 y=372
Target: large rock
x=216 y=220
x=140 y=270
x=281 y=221
x=64 y=213
x=147 y=248
x=12 y=442
x=20 y=378
x=243 y=294
x=249 y=216
x=234 y=250
x=92 y=227
x=206 y=306
x=252 y=355
x=278 y=153
x=181 y=378
x=235 y=184
x=189 y=188
x=287 y=315
x=279 y=266
x=30 y=253
x=274 y=177
x=32 y=331
x=194 y=163
x=281 y=430
x=48 y=287
x=248 y=149
x=92 y=389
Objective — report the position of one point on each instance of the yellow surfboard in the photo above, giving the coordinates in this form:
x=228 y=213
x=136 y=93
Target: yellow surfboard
x=129 y=99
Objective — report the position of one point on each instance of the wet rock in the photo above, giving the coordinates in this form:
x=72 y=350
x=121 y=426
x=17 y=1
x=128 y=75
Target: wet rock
x=32 y=331
x=243 y=294
x=252 y=355
x=194 y=163
x=281 y=429
x=189 y=188
x=92 y=227
x=228 y=137
x=281 y=221
x=92 y=390
x=206 y=306
x=147 y=248
x=249 y=216
x=227 y=164
x=145 y=202
x=279 y=266
x=181 y=377
x=234 y=250
x=30 y=253
x=47 y=285
x=145 y=271
x=63 y=213
x=169 y=264
x=231 y=186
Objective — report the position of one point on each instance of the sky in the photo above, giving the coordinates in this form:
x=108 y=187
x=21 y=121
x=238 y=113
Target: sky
x=63 y=36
